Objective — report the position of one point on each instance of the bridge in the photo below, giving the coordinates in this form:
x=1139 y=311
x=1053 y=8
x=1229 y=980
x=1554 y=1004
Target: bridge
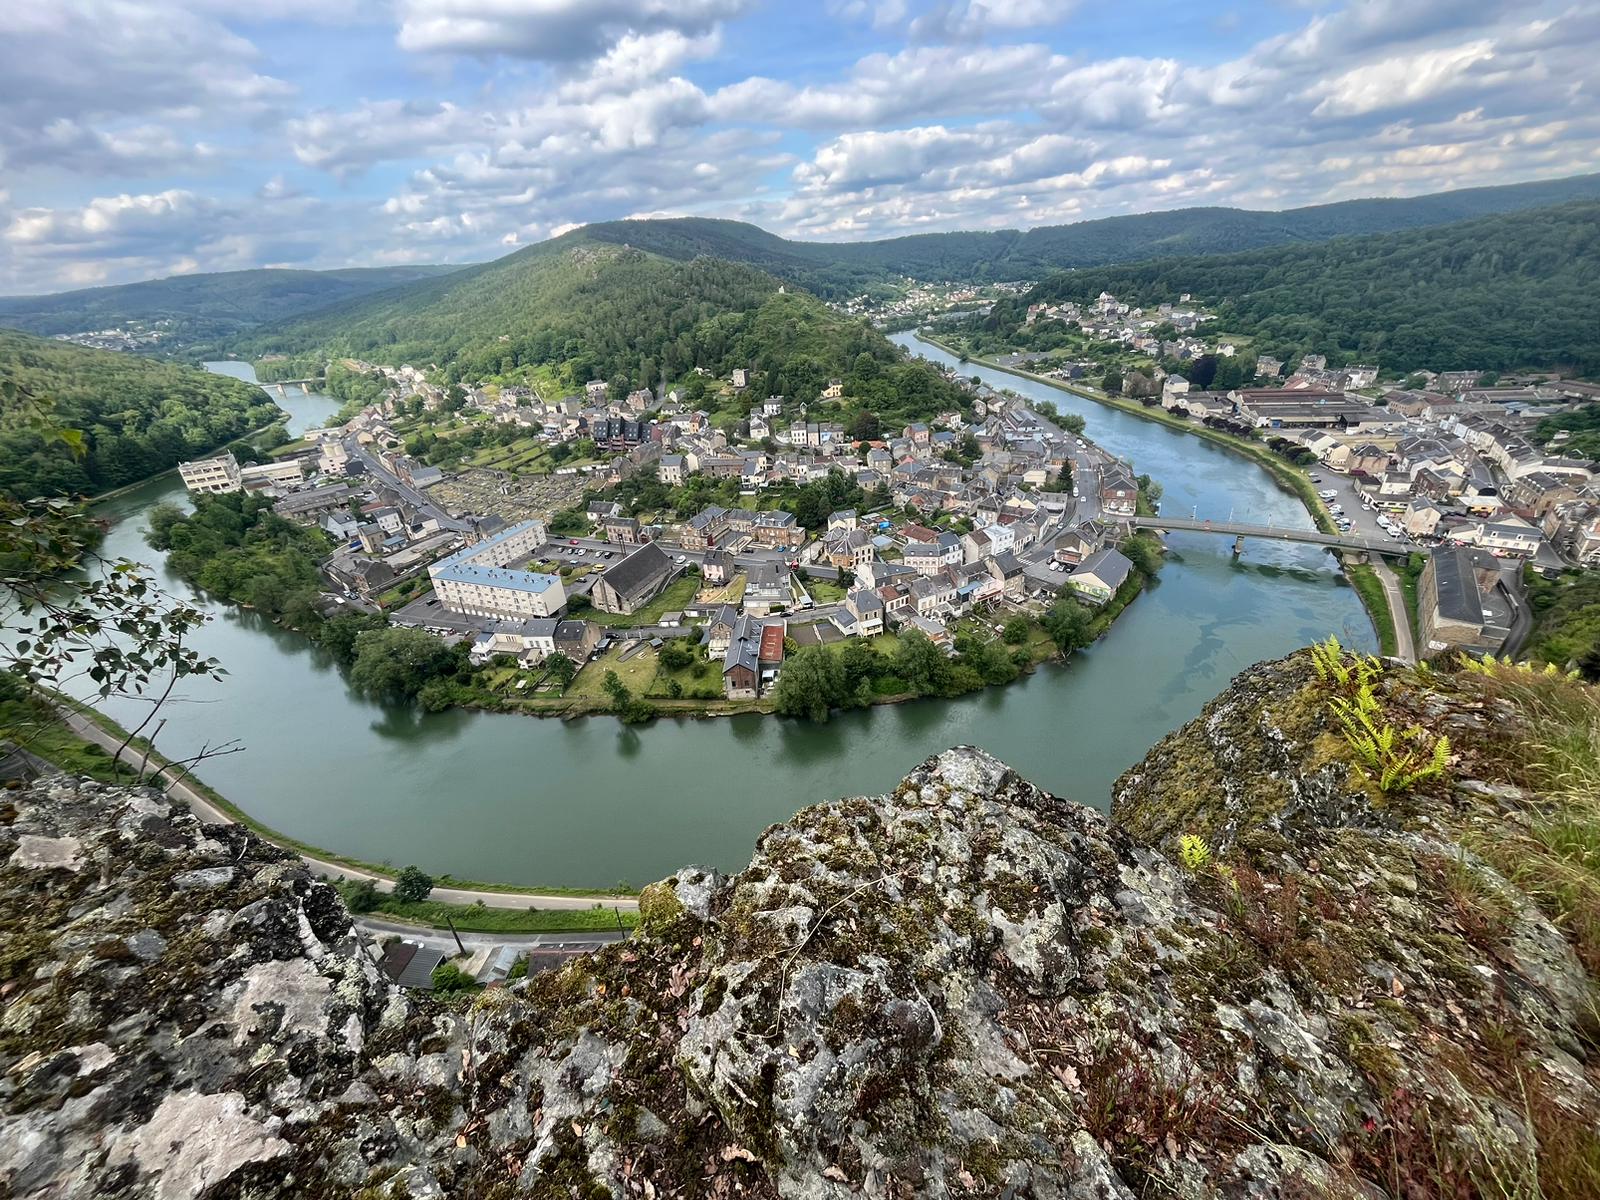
x=1239 y=530
x=303 y=384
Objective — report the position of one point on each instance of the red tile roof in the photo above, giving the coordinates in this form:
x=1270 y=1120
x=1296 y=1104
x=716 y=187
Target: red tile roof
x=772 y=643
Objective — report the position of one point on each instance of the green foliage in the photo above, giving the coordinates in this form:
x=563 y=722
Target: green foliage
x=1499 y=292
x=580 y=309
x=235 y=547
x=412 y=884
x=628 y=708
x=449 y=979
x=133 y=417
x=1391 y=759
x=812 y=683
x=1016 y=631
x=1068 y=623
x=839 y=270
x=560 y=669
x=1566 y=620
x=675 y=655
x=1582 y=424
x=363 y=896
x=395 y=664
x=1193 y=852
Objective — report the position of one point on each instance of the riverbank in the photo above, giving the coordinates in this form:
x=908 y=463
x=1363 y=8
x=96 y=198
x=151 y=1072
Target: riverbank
x=83 y=730
x=1362 y=577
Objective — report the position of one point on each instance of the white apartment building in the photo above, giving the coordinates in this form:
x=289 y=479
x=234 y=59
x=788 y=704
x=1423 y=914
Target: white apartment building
x=480 y=582
x=211 y=476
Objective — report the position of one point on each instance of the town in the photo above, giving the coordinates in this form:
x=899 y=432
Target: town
x=1449 y=462
x=959 y=523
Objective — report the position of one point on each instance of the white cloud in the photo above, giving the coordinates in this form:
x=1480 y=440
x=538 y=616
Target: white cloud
x=561 y=31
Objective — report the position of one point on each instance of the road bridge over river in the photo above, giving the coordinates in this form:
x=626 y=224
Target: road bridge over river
x=1239 y=530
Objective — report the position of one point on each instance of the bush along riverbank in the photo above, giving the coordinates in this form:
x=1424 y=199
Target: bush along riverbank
x=237 y=549
x=1363 y=578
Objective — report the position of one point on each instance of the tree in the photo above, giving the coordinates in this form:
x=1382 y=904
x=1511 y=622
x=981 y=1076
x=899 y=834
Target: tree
x=1074 y=423
x=1111 y=382
x=1067 y=622
x=363 y=897
x=921 y=664
x=811 y=684
x=560 y=669
x=675 y=656
x=394 y=664
x=412 y=885
x=1016 y=631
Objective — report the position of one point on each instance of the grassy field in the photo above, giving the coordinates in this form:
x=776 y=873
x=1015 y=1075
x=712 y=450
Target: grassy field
x=825 y=591
x=637 y=674
x=478 y=918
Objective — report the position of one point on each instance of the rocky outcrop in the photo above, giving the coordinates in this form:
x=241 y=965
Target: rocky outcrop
x=966 y=987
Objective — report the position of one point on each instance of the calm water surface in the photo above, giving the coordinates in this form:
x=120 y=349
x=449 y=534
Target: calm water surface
x=590 y=802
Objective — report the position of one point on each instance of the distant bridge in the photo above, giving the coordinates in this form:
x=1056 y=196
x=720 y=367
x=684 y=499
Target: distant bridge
x=1238 y=530
x=305 y=384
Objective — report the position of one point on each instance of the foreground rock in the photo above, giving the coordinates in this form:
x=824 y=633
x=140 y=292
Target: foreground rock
x=968 y=987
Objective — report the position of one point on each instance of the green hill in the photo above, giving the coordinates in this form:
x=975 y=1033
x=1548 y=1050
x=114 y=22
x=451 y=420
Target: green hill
x=202 y=306
x=138 y=416
x=1500 y=292
x=571 y=310
x=841 y=269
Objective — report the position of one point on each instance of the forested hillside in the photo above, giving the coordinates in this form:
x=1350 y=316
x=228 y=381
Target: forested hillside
x=137 y=416
x=570 y=311
x=202 y=307
x=1498 y=293
x=835 y=270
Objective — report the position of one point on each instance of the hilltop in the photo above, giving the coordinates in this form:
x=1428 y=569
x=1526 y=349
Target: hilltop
x=202 y=306
x=572 y=310
x=1272 y=972
x=138 y=416
x=1500 y=292
x=838 y=269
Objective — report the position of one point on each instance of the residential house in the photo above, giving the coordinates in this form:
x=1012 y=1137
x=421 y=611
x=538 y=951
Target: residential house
x=1421 y=518
x=866 y=606
x=767 y=589
x=848 y=549
x=717 y=567
x=1099 y=576
x=1119 y=493
x=622 y=530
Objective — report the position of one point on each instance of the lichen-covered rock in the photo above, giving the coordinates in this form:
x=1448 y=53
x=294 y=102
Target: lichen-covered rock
x=967 y=987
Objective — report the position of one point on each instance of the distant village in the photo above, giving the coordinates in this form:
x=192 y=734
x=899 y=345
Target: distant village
x=1445 y=461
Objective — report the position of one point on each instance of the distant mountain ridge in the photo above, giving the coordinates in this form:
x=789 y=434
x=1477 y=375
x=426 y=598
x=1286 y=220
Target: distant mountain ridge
x=217 y=306
x=204 y=305
x=837 y=269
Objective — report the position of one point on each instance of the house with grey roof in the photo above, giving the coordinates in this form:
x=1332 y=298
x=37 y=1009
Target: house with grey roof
x=629 y=585
x=1099 y=576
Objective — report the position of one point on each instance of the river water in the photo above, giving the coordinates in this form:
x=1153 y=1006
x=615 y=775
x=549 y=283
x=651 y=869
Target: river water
x=591 y=802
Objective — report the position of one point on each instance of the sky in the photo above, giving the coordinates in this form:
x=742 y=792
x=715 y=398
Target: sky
x=143 y=138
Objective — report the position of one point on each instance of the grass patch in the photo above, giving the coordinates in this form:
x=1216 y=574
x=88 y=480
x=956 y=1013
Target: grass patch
x=480 y=918
x=637 y=673
x=1555 y=858
x=1370 y=588
x=37 y=728
x=825 y=591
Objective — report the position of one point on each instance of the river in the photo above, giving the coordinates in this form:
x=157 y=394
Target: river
x=591 y=802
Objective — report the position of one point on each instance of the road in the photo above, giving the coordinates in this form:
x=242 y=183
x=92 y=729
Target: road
x=440 y=938
x=208 y=812
x=1405 y=643
x=412 y=496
